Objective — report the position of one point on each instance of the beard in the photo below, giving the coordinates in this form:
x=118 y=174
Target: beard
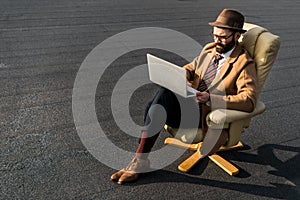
x=221 y=48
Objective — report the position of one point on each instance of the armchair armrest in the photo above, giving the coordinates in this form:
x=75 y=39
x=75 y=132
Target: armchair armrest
x=224 y=116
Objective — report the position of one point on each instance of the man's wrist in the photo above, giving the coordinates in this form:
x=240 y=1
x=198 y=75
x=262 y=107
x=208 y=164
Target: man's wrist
x=208 y=100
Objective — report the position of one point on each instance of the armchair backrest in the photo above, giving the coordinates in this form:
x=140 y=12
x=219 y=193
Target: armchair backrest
x=263 y=47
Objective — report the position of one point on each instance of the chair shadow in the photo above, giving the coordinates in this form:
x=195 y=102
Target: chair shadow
x=265 y=156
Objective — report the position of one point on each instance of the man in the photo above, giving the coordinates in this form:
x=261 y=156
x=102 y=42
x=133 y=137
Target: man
x=225 y=76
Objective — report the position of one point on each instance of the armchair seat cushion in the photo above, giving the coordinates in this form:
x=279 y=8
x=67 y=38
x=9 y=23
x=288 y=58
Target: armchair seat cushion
x=219 y=119
x=224 y=116
x=187 y=135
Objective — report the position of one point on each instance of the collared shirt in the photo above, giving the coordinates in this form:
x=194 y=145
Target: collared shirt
x=223 y=60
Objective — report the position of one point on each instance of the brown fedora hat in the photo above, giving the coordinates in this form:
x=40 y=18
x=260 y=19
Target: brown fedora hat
x=230 y=19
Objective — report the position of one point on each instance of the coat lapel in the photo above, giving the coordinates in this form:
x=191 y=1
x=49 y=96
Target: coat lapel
x=226 y=66
x=207 y=61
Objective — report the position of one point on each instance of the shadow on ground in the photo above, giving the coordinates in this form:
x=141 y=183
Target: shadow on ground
x=287 y=169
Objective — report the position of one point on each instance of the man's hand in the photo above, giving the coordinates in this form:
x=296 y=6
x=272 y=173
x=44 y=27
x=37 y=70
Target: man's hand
x=201 y=97
x=188 y=83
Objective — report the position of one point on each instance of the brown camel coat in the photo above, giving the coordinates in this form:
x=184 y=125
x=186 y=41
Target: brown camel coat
x=234 y=87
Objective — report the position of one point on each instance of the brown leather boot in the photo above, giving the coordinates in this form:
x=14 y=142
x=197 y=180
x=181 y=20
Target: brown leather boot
x=130 y=173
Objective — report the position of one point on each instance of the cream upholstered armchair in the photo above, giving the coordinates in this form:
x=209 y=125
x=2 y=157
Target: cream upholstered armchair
x=263 y=46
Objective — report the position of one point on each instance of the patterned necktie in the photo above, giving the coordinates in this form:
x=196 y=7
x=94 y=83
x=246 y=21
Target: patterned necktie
x=210 y=73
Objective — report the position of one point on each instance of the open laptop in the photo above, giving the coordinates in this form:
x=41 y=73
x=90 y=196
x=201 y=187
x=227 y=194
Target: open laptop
x=170 y=76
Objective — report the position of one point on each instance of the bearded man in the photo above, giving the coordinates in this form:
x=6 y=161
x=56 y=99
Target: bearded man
x=225 y=77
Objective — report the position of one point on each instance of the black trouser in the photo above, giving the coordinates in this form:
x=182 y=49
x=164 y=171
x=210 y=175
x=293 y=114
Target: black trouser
x=179 y=112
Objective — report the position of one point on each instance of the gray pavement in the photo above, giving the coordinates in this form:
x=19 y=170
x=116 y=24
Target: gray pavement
x=42 y=45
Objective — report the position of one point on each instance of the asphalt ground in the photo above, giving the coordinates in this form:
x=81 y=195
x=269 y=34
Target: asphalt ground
x=42 y=46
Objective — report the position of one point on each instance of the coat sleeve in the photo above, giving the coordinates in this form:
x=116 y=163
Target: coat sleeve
x=245 y=97
x=190 y=68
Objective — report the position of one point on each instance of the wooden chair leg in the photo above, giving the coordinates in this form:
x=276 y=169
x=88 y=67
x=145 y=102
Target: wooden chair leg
x=193 y=147
x=177 y=143
x=239 y=145
x=224 y=164
x=186 y=165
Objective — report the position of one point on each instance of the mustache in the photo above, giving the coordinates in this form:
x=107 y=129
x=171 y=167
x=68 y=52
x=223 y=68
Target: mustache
x=220 y=44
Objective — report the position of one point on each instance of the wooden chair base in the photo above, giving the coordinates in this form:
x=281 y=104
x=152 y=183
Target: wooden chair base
x=186 y=165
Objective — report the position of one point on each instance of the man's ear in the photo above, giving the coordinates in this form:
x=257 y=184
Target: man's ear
x=237 y=36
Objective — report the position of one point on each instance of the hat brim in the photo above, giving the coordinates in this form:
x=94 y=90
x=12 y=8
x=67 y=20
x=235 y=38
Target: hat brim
x=220 y=25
